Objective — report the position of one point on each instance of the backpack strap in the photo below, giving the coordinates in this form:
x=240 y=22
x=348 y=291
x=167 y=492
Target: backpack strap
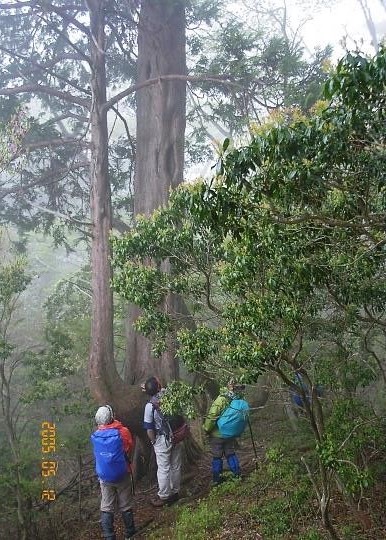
x=229 y=401
x=165 y=426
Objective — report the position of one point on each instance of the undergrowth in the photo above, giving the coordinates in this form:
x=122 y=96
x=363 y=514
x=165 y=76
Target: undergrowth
x=275 y=501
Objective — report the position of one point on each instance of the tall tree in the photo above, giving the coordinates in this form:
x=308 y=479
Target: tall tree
x=160 y=145
x=13 y=281
x=70 y=66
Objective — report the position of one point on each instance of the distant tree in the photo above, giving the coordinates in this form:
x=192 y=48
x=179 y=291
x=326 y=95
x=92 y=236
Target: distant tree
x=264 y=58
x=13 y=281
x=68 y=73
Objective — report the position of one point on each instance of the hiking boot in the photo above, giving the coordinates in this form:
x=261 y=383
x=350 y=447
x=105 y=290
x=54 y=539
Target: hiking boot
x=128 y=520
x=172 y=499
x=107 y=522
x=139 y=529
x=158 y=502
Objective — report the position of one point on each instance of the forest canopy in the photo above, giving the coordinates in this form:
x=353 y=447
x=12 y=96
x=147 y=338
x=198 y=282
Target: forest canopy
x=290 y=230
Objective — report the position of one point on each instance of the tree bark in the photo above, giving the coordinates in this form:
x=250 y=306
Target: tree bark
x=104 y=381
x=161 y=118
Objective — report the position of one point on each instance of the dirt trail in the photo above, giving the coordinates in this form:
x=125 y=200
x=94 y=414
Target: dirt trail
x=195 y=485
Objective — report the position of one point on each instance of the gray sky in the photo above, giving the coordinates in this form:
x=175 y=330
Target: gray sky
x=339 y=19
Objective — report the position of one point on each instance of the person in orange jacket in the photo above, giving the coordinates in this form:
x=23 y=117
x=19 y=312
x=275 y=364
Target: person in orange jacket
x=112 y=443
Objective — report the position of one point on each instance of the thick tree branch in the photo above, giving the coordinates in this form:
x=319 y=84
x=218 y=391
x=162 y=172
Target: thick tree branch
x=187 y=78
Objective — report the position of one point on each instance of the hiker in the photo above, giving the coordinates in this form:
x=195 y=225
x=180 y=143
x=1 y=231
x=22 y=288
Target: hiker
x=112 y=442
x=297 y=398
x=224 y=444
x=168 y=455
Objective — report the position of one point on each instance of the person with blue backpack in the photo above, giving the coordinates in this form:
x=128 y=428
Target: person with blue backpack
x=112 y=442
x=226 y=420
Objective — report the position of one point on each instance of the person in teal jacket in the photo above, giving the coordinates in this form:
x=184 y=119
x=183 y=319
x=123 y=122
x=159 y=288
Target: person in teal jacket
x=222 y=447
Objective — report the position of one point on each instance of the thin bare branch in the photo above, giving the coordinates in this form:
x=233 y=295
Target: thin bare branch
x=54 y=142
x=59 y=215
x=49 y=90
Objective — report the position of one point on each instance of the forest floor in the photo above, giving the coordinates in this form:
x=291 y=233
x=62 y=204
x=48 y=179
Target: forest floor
x=195 y=485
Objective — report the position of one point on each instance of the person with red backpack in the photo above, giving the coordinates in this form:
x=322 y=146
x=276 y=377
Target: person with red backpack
x=112 y=442
x=225 y=421
x=166 y=447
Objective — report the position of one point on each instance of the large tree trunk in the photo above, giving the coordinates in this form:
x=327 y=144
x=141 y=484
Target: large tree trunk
x=102 y=371
x=160 y=149
x=104 y=381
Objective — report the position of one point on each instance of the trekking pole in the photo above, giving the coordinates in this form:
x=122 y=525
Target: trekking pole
x=253 y=440
x=132 y=483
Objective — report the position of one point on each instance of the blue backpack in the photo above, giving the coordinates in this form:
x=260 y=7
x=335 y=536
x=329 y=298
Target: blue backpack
x=110 y=460
x=234 y=419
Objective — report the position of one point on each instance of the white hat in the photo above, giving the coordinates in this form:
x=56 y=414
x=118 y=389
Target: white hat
x=104 y=415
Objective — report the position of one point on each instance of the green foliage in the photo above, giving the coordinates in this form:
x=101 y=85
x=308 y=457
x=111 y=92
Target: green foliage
x=179 y=398
x=17 y=479
x=290 y=233
x=12 y=133
x=351 y=531
x=200 y=524
x=13 y=281
x=274 y=517
x=274 y=501
x=281 y=257
x=267 y=66
x=67 y=334
x=311 y=535
x=351 y=432
x=286 y=506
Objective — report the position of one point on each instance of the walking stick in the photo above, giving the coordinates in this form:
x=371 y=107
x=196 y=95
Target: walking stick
x=253 y=440
x=132 y=482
